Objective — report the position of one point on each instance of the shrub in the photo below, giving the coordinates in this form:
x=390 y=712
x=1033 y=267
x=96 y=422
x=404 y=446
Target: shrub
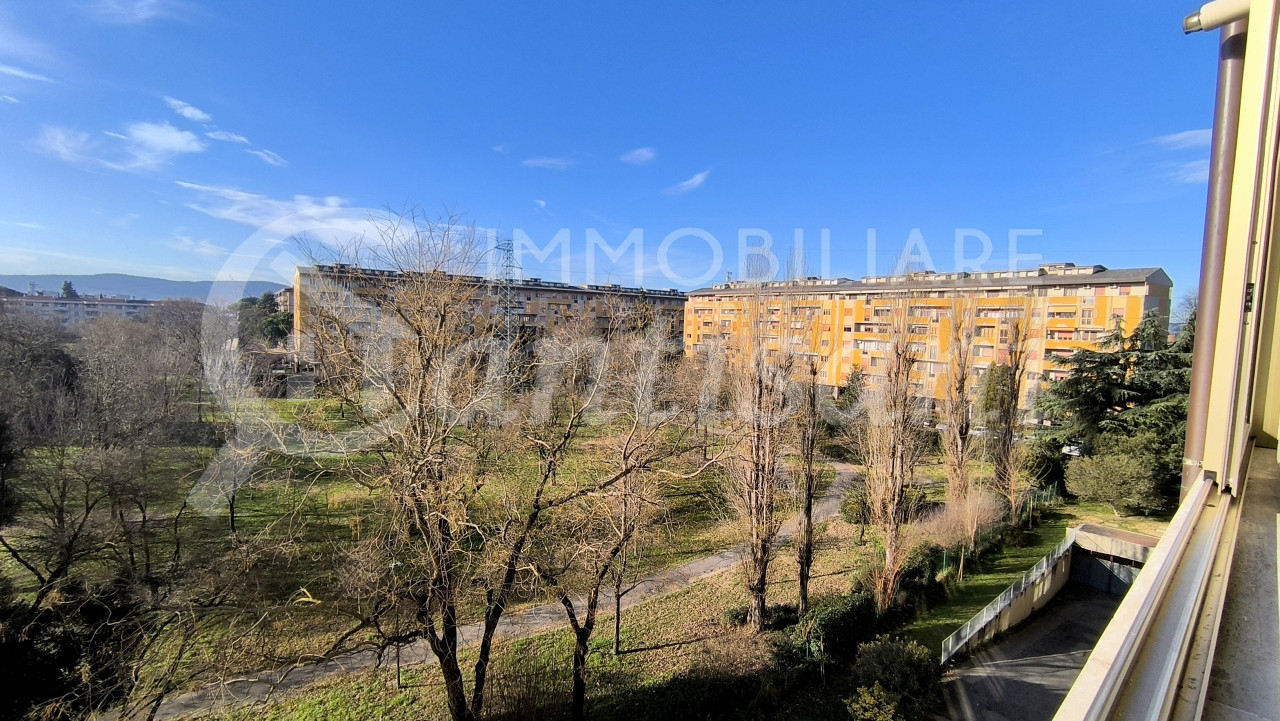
x=922 y=585
x=903 y=669
x=1124 y=482
x=1163 y=458
x=734 y=616
x=873 y=704
x=949 y=579
x=777 y=615
x=831 y=629
x=853 y=506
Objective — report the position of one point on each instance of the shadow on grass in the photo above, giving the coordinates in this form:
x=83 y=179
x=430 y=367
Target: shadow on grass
x=660 y=646
x=706 y=693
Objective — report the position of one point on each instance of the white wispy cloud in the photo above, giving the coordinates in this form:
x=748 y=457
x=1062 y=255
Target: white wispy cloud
x=20 y=224
x=1193 y=172
x=540 y=203
x=269 y=157
x=134 y=12
x=187 y=110
x=227 y=136
x=21 y=74
x=1186 y=139
x=141 y=146
x=254 y=209
x=196 y=246
x=9 y=99
x=639 y=156
x=547 y=162
x=151 y=145
x=72 y=146
x=499 y=148
x=691 y=184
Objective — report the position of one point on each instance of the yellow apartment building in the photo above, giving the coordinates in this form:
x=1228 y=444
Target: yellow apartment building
x=844 y=324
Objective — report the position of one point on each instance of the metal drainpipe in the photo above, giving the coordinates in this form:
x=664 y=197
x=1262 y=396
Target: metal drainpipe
x=1226 y=121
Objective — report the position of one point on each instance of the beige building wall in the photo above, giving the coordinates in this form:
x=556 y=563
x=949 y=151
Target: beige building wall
x=539 y=305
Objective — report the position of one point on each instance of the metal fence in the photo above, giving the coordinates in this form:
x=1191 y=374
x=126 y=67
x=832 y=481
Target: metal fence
x=956 y=642
x=1035 y=502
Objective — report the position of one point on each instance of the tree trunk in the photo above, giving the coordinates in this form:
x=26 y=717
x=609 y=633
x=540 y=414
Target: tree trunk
x=454 y=690
x=757 y=585
x=578 y=711
x=804 y=548
x=445 y=648
x=617 y=620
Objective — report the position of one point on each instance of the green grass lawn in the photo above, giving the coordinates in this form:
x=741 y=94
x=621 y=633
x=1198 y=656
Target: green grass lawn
x=679 y=653
x=986 y=581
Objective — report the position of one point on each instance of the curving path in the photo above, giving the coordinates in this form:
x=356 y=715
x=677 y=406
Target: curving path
x=514 y=625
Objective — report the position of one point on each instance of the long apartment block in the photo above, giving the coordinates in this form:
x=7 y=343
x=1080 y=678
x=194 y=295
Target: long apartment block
x=537 y=305
x=843 y=323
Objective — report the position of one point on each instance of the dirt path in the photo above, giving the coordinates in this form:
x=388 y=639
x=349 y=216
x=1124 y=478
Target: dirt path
x=521 y=624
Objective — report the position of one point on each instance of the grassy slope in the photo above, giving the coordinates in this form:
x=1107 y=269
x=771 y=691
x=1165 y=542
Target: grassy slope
x=679 y=654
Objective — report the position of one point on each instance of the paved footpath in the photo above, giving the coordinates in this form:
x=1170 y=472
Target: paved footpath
x=514 y=625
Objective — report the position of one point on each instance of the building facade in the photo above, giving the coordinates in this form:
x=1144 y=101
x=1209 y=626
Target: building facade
x=284 y=300
x=76 y=312
x=843 y=324
x=537 y=305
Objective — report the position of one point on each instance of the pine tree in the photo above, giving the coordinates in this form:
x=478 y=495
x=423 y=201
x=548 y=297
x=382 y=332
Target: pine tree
x=1132 y=387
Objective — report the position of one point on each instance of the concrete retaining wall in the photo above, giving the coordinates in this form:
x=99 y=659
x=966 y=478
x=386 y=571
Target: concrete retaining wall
x=1103 y=558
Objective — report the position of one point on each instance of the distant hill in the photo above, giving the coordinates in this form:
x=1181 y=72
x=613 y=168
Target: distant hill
x=134 y=285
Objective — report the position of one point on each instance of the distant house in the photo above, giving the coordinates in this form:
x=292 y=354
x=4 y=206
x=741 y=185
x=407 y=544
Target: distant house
x=74 y=312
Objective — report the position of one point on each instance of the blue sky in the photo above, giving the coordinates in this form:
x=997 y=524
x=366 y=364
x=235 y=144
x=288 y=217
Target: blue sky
x=154 y=136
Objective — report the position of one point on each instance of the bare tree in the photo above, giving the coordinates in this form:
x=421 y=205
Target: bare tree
x=1008 y=464
x=761 y=369
x=956 y=405
x=892 y=443
x=402 y=333
x=808 y=428
x=94 y=535
x=179 y=323
x=760 y=391
x=802 y=334
x=646 y=427
x=953 y=524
